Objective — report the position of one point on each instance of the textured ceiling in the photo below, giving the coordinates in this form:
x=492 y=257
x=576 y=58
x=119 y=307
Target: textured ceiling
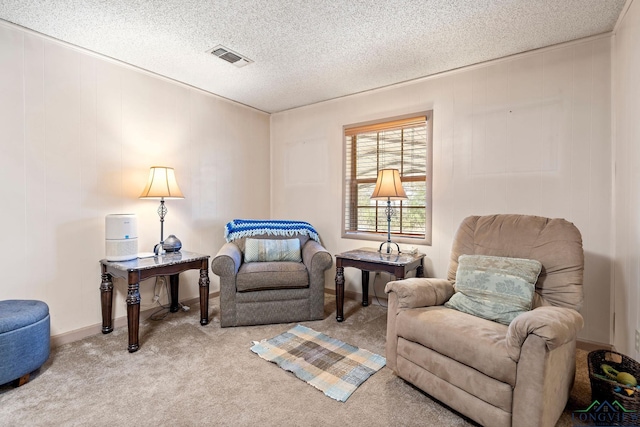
x=309 y=51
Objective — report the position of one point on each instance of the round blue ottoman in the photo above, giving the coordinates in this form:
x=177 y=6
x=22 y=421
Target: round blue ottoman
x=24 y=338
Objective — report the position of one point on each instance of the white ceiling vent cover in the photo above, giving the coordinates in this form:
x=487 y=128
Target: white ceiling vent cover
x=230 y=56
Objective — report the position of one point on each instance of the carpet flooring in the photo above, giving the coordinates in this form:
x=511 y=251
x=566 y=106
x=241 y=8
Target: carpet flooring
x=188 y=375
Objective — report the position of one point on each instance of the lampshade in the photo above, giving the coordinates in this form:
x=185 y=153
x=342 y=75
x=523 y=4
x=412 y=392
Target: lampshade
x=389 y=186
x=162 y=184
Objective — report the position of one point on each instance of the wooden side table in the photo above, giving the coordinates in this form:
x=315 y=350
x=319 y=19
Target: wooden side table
x=369 y=259
x=171 y=264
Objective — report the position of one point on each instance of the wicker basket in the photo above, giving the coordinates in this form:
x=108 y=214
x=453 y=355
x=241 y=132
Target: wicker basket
x=603 y=388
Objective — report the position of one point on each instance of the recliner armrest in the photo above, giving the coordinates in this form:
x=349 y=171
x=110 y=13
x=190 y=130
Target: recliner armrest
x=555 y=325
x=227 y=260
x=420 y=291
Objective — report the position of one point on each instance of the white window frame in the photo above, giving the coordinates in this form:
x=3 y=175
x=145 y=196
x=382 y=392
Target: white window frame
x=348 y=196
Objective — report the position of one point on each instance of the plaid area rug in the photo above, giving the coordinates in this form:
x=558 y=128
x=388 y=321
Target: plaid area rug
x=328 y=364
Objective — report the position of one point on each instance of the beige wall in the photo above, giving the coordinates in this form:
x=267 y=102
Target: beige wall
x=529 y=134
x=78 y=134
x=626 y=107
x=526 y=134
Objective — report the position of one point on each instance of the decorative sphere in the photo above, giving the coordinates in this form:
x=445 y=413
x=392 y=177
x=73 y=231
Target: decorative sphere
x=172 y=244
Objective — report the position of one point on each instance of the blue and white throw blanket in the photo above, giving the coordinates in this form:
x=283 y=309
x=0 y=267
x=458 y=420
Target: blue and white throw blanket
x=251 y=227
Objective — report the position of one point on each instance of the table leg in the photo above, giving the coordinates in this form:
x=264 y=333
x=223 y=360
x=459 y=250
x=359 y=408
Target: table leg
x=106 y=299
x=339 y=294
x=133 y=315
x=420 y=271
x=174 y=280
x=204 y=296
x=365 y=288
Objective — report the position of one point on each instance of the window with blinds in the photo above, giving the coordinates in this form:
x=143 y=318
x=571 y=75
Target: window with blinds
x=403 y=144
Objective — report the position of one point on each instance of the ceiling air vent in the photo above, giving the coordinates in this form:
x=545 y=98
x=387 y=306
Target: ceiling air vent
x=230 y=56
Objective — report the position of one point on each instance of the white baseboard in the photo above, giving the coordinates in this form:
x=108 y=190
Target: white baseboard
x=592 y=345
x=355 y=295
x=78 y=334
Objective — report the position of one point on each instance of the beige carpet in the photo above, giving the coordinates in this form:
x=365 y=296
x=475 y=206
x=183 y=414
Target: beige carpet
x=188 y=375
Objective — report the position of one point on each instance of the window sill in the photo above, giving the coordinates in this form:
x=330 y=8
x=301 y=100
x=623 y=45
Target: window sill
x=382 y=237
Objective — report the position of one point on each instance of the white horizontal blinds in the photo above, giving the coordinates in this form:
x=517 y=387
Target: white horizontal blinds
x=414 y=177
x=401 y=145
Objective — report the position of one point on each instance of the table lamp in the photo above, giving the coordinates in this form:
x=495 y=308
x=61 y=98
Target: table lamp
x=389 y=187
x=162 y=185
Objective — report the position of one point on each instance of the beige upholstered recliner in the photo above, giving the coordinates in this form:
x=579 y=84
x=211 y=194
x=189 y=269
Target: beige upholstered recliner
x=255 y=293
x=518 y=374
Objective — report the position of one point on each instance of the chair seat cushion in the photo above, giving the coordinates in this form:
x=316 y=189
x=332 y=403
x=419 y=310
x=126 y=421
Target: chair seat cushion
x=473 y=341
x=255 y=276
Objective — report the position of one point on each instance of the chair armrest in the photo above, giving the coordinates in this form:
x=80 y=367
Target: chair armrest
x=555 y=325
x=420 y=292
x=315 y=257
x=227 y=260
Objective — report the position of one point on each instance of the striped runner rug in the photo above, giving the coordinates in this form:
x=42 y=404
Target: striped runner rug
x=328 y=364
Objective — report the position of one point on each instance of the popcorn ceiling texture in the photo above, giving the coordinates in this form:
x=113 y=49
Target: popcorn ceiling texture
x=309 y=51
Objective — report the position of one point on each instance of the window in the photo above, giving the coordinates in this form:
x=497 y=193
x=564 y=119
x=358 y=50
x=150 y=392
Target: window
x=400 y=143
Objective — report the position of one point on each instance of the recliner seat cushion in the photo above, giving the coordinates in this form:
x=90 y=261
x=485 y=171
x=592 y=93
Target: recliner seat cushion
x=255 y=276
x=470 y=340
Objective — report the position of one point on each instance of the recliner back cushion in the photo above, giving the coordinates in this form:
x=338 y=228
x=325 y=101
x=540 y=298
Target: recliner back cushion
x=556 y=243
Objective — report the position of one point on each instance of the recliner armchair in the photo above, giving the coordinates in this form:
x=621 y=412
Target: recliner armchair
x=254 y=293
x=518 y=374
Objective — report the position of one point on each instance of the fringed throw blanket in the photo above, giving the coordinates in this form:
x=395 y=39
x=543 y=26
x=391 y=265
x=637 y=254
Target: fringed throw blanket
x=251 y=227
x=328 y=364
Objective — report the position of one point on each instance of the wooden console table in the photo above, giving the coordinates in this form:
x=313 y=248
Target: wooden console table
x=171 y=264
x=369 y=259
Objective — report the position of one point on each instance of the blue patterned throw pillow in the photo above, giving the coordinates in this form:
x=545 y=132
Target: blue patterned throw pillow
x=263 y=250
x=494 y=288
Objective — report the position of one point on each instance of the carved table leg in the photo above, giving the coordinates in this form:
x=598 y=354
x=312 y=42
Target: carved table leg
x=365 y=288
x=420 y=271
x=133 y=315
x=204 y=296
x=339 y=294
x=106 y=299
x=174 y=281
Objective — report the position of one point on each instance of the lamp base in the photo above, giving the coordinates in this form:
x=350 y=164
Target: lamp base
x=158 y=249
x=389 y=243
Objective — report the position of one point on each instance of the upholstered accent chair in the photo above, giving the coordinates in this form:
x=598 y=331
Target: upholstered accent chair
x=255 y=293
x=515 y=373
